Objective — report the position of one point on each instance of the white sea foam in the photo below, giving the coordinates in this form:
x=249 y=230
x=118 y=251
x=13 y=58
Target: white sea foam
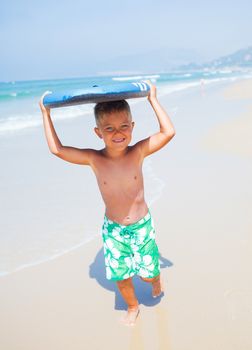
x=59 y=253
x=226 y=71
x=18 y=122
x=154 y=185
x=169 y=89
x=139 y=77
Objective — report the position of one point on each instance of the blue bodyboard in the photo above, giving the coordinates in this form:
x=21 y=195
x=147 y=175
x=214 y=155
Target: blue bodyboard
x=96 y=93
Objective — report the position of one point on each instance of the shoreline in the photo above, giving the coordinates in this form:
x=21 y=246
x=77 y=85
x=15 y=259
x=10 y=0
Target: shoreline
x=47 y=259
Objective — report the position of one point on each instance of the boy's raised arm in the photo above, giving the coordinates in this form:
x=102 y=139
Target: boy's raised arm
x=166 y=128
x=70 y=154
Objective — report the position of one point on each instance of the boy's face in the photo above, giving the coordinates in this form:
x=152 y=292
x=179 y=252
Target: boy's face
x=115 y=129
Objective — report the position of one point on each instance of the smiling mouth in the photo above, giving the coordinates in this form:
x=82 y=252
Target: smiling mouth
x=119 y=140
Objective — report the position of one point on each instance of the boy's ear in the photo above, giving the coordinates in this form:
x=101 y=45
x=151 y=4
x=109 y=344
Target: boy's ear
x=98 y=133
x=133 y=124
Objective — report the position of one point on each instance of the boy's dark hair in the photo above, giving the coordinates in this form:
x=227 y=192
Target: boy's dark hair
x=102 y=108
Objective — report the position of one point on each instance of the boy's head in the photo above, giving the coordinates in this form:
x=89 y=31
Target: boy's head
x=114 y=123
x=105 y=108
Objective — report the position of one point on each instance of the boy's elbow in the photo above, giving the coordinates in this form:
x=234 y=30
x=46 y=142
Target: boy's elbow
x=55 y=151
x=169 y=135
x=173 y=133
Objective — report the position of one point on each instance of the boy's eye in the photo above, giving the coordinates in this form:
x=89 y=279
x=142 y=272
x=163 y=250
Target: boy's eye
x=109 y=128
x=124 y=126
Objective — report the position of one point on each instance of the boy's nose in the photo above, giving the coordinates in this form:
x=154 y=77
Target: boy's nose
x=117 y=131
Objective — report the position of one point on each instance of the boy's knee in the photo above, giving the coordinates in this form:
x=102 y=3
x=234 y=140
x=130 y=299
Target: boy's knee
x=124 y=283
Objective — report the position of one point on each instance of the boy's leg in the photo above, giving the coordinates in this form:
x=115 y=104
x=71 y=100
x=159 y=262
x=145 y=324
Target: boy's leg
x=127 y=291
x=156 y=285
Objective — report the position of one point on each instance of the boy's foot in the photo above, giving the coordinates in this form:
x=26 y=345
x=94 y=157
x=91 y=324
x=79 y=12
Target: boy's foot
x=130 y=318
x=157 y=288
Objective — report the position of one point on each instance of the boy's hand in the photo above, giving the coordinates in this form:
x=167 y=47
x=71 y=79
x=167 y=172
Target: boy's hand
x=153 y=91
x=41 y=103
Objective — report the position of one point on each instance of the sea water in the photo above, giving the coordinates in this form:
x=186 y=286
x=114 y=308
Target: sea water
x=19 y=99
x=34 y=226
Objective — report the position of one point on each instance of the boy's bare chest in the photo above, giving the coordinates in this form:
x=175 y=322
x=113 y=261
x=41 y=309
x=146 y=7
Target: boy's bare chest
x=126 y=171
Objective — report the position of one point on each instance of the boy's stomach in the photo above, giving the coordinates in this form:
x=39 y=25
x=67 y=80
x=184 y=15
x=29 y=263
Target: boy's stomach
x=124 y=209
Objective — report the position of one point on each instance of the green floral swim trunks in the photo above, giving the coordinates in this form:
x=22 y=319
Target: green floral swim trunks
x=130 y=250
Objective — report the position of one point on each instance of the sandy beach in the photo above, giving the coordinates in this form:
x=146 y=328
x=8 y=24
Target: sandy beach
x=202 y=211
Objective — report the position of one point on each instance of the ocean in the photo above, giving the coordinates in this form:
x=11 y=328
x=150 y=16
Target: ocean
x=36 y=188
x=19 y=99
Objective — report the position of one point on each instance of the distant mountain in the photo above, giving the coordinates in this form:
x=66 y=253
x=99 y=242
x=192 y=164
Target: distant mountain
x=168 y=59
x=239 y=59
x=159 y=60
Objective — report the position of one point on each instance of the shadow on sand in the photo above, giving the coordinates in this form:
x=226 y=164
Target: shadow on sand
x=142 y=289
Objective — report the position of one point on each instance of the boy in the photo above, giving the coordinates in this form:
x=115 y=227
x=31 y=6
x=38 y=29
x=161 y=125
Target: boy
x=128 y=232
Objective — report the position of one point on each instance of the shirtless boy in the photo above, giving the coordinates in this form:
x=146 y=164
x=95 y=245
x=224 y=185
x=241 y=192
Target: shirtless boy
x=128 y=232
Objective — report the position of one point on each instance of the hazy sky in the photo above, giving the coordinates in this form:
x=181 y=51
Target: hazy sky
x=43 y=39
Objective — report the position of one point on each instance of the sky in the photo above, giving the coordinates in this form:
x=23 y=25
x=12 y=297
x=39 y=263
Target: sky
x=58 y=39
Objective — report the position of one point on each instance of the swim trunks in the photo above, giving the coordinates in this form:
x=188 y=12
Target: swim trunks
x=130 y=250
